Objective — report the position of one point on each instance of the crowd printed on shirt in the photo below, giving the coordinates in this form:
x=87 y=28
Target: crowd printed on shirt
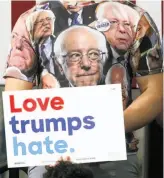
x=79 y=43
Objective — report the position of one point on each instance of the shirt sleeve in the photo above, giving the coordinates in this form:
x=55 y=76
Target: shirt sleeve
x=22 y=61
x=147 y=49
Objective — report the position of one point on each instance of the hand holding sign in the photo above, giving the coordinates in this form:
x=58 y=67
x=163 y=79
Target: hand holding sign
x=61 y=159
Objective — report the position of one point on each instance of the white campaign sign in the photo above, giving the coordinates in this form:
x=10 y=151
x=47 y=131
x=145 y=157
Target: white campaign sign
x=85 y=123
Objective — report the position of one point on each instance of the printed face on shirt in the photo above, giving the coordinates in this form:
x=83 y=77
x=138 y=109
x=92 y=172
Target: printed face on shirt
x=117 y=75
x=121 y=32
x=83 y=58
x=21 y=55
x=143 y=27
x=43 y=26
x=75 y=5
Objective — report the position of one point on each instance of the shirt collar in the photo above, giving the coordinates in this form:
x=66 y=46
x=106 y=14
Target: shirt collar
x=116 y=55
x=45 y=42
x=79 y=12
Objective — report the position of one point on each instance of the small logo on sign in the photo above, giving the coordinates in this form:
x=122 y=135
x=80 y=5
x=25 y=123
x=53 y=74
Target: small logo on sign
x=102 y=25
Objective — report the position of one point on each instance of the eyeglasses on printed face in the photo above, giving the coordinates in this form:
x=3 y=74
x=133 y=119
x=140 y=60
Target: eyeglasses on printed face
x=116 y=23
x=42 y=21
x=92 y=55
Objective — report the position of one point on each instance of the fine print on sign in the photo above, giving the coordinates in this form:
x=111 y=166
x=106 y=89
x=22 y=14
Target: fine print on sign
x=85 y=123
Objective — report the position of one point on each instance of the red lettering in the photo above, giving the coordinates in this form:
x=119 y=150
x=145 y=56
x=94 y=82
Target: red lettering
x=57 y=103
x=12 y=105
x=31 y=105
x=43 y=105
x=26 y=107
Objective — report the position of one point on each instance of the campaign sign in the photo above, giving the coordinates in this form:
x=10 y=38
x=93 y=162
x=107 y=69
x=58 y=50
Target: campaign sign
x=85 y=123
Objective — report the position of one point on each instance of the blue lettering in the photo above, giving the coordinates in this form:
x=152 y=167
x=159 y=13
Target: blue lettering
x=70 y=124
x=55 y=124
x=47 y=142
x=89 y=123
x=16 y=145
x=74 y=123
x=35 y=147
x=38 y=150
x=60 y=146
x=103 y=25
x=13 y=124
x=41 y=126
x=23 y=125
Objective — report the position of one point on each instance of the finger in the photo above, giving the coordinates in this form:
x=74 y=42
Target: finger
x=53 y=165
x=68 y=158
x=57 y=162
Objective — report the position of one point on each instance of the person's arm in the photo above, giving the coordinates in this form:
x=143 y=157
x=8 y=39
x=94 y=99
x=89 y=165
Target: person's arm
x=12 y=84
x=149 y=77
x=148 y=105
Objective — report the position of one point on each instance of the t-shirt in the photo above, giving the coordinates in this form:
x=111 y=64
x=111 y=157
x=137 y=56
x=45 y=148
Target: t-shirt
x=68 y=44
